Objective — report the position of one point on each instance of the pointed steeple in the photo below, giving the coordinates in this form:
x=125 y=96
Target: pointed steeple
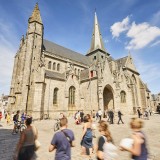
x=97 y=42
x=35 y=17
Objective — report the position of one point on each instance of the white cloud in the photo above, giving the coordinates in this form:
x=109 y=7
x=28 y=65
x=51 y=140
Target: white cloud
x=155 y=43
x=141 y=35
x=119 y=27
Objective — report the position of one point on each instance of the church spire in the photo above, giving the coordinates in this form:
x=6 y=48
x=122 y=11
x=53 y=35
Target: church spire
x=97 y=42
x=35 y=17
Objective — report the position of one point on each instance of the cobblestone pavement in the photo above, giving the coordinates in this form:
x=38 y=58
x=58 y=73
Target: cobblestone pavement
x=45 y=128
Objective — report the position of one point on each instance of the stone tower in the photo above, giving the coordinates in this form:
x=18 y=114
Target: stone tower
x=99 y=58
x=27 y=85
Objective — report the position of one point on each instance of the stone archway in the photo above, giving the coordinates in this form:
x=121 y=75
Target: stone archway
x=108 y=100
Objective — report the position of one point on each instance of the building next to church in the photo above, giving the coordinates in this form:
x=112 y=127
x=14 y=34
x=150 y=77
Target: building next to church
x=3 y=102
x=155 y=102
x=48 y=78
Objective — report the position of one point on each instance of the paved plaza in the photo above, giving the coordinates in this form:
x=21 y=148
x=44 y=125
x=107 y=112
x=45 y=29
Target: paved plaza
x=45 y=128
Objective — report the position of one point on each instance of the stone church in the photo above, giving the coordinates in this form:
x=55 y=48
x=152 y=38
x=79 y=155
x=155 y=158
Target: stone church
x=48 y=78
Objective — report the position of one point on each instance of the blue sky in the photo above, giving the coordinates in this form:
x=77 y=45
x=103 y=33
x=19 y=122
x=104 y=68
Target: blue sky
x=126 y=26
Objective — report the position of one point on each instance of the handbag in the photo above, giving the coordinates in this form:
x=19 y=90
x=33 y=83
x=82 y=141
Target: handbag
x=37 y=145
x=109 y=150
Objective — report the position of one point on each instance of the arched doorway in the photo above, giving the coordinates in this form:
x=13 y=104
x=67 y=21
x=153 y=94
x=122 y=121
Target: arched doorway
x=108 y=100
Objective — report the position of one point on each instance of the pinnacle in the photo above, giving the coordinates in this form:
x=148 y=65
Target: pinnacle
x=35 y=15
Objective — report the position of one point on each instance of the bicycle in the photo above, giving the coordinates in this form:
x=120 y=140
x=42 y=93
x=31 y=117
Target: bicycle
x=57 y=125
x=20 y=127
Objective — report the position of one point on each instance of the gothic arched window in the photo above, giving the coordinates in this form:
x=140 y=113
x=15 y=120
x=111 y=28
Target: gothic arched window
x=123 y=96
x=58 y=67
x=49 y=65
x=71 y=95
x=54 y=66
x=55 y=96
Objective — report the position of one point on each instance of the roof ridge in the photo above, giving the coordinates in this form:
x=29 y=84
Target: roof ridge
x=121 y=58
x=63 y=47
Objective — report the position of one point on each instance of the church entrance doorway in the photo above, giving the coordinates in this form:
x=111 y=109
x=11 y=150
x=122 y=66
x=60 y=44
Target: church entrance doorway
x=108 y=100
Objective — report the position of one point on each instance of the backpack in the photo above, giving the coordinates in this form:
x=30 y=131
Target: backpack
x=109 y=150
x=15 y=118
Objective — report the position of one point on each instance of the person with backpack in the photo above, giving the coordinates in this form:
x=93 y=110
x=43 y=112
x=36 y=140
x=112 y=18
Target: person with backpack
x=15 y=120
x=62 y=141
x=106 y=150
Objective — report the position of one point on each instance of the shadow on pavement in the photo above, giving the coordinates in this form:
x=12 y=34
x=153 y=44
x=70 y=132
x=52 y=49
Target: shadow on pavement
x=8 y=143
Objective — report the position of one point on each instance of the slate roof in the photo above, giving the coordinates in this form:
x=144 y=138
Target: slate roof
x=64 y=52
x=55 y=75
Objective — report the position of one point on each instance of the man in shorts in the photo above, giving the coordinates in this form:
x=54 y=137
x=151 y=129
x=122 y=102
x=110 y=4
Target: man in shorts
x=62 y=141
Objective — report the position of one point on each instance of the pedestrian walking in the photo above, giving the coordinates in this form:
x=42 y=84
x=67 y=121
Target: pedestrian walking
x=106 y=150
x=15 y=121
x=77 y=118
x=25 y=149
x=8 y=117
x=111 y=117
x=139 y=113
x=100 y=114
x=97 y=116
x=62 y=141
x=138 y=149
x=120 y=117
x=87 y=137
x=23 y=117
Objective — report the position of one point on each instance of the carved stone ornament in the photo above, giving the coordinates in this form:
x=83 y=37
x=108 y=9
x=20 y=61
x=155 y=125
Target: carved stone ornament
x=127 y=79
x=42 y=61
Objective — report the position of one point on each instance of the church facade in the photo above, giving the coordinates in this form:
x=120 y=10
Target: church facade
x=48 y=78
